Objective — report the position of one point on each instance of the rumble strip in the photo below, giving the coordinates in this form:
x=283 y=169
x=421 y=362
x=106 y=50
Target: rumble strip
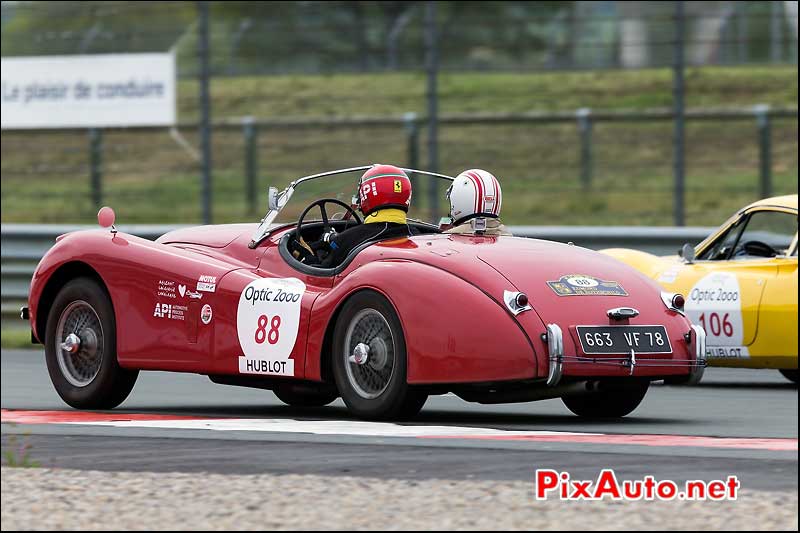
x=382 y=429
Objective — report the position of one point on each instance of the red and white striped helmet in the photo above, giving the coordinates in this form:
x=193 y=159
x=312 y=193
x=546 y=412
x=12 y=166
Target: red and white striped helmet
x=474 y=193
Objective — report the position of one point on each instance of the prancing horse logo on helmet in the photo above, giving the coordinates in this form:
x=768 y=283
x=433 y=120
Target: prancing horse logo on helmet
x=398 y=186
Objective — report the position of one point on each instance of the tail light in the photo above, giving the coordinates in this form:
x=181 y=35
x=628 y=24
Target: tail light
x=674 y=301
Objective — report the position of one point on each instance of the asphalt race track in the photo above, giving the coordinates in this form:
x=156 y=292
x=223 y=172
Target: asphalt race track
x=741 y=422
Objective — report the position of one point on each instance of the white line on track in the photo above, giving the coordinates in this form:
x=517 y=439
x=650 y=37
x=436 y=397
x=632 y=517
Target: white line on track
x=321 y=427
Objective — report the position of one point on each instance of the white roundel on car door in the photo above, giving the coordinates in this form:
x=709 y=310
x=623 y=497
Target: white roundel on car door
x=267 y=322
x=715 y=303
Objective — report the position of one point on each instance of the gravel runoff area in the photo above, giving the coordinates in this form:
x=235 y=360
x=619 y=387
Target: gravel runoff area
x=38 y=498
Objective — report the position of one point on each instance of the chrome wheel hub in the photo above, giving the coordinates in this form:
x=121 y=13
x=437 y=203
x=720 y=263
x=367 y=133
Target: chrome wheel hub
x=79 y=343
x=370 y=350
x=71 y=344
x=360 y=354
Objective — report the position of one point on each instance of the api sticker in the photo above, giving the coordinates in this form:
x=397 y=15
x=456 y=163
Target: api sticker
x=582 y=285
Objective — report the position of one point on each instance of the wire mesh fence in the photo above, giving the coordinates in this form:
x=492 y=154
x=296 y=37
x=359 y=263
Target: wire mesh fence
x=328 y=85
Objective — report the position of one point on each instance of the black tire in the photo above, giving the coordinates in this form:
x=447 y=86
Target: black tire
x=791 y=375
x=304 y=398
x=415 y=401
x=611 y=400
x=110 y=384
x=388 y=397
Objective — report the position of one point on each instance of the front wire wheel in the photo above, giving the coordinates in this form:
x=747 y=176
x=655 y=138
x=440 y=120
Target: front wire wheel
x=79 y=343
x=81 y=348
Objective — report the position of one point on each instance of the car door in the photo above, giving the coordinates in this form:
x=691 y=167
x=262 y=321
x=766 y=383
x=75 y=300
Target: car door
x=274 y=315
x=261 y=322
x=777 y=332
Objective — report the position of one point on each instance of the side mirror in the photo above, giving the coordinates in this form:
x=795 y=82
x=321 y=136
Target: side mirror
x=272 y=198
x=687 y=253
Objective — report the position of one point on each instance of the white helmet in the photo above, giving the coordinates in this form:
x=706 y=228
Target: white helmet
x=474 y=193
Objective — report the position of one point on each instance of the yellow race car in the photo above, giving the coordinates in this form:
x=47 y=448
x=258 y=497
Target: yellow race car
x=740 y=285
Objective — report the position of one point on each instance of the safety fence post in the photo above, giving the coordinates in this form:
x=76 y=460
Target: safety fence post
x=96 y=166
x=764 y=149
x=584 y=116
x=412 y=135
x=250 y=131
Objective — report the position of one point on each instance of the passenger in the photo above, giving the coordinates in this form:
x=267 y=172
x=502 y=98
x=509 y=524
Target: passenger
x=475 y=199
x=384 y=196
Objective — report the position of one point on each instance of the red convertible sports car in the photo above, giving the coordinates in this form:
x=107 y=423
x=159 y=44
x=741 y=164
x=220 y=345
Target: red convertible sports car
x=491 y=319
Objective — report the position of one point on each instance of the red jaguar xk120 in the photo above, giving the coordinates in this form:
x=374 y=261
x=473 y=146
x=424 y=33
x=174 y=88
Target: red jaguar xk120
x=493 y=319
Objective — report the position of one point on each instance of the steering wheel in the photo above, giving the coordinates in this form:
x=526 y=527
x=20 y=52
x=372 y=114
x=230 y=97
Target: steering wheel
x=309 y=250
x=758 y=249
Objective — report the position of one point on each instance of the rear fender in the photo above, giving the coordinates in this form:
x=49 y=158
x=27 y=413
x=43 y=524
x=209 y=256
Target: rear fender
x=455 y=333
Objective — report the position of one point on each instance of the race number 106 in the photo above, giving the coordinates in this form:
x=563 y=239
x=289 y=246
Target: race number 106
x=716 y=325
x=270 y=335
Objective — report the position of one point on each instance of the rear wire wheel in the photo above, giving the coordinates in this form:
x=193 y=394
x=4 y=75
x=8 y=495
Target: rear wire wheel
x=370 y=364
x=81 y=348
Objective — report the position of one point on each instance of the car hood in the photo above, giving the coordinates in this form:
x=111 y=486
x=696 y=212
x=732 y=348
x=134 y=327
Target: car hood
x=217 y=236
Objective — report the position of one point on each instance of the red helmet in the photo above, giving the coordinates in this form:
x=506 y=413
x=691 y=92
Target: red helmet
x=383 y=186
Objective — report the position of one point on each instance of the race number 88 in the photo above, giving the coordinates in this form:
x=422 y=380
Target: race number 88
x=270 y=336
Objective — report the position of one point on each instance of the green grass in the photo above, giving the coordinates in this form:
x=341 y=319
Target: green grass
x=394 y=94
x=16 y=338
x=17 y=452
x=150 y=178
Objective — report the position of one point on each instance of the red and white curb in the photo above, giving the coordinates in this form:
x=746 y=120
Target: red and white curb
x=381 y=429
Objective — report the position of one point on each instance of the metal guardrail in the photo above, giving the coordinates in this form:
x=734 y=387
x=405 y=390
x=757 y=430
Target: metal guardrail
x=23 y=245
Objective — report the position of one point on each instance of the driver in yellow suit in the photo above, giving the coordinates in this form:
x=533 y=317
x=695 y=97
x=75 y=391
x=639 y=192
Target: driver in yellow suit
x=384 y=196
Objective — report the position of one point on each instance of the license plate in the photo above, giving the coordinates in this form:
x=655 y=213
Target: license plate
x=623 y=339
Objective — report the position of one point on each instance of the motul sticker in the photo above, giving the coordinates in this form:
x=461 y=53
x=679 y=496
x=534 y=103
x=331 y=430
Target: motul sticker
x=267 y=323
x=207 y=283
x=582 y=285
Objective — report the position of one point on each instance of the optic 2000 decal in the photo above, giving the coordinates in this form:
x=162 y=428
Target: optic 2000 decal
x=715 y=302
x=267 y=322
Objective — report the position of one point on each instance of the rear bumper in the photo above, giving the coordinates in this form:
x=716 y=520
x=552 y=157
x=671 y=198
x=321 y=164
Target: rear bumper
x=633 y=365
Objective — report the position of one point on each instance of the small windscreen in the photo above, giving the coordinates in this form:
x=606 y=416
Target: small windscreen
x=343 y=187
